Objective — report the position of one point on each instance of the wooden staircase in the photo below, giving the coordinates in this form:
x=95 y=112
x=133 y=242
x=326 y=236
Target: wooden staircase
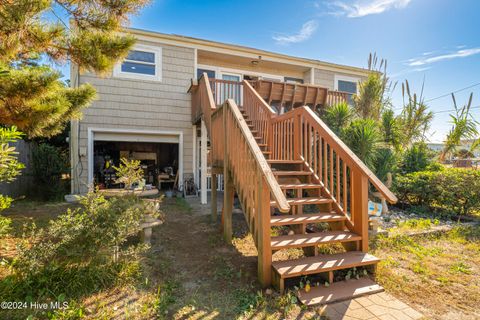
x=292 y=173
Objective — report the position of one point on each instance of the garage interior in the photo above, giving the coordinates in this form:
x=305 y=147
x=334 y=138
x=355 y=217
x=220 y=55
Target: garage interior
x=159 y=162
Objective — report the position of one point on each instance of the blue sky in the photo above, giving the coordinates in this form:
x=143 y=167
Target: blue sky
x=435 y=40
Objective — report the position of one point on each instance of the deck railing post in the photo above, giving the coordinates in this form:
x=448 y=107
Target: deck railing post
x=297 y=136
x=360 y=207
x=262 y=215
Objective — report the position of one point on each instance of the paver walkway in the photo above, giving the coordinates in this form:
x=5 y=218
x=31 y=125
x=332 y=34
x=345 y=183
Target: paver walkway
x=376 y=306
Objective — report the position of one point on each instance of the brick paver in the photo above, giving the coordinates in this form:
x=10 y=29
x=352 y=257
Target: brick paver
x=375 y=306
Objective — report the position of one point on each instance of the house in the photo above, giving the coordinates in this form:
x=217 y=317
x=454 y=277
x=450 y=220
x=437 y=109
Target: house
x=242 y=120
x=143 y=108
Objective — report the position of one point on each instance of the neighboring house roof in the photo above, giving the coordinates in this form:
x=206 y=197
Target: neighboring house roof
x=234 y=49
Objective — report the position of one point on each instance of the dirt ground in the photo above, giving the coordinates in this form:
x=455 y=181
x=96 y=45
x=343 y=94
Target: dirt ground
x=191 y=273
x=208 y=278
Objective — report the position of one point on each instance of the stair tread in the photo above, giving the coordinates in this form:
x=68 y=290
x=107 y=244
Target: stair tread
x=311 y=239
x=291 y=173
x=305 y=200
x=323 y=263
x=299 y=186
x=285 y=161
x=339 y=291
x=305 y=218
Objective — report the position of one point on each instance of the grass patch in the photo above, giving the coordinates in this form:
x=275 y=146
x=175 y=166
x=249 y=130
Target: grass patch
x=439 y=273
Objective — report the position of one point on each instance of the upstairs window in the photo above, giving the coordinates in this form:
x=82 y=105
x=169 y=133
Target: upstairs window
x=210 y=73
x=347 y=84
x=142 y=63
x=293 y=80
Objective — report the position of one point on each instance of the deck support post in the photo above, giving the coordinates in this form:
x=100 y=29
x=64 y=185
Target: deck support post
x=203 y=163
x=360 y=207
x=213 y=200
x=194 y=155
x=262 y=215
x=228 y=193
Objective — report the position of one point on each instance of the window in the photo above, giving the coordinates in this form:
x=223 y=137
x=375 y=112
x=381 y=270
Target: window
x=210 y=73
x=293 y=80
x=347 y=84
x=142 y=62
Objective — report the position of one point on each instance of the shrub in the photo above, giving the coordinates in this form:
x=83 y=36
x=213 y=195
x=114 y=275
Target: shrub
x=81 y=251
x=363 y=137
x=451 y=191
x=5 y=226
x=48 y=165
x=417 y=158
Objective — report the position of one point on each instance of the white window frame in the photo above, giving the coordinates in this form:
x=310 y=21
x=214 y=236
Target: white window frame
x=157 y=51
x=339 y=77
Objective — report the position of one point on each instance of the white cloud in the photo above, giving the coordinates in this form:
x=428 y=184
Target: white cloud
x=307 y=30
x=444 y=56
x=408 y=71
x=362 y=8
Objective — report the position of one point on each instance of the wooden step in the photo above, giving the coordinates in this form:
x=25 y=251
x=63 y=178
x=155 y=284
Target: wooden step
x=312 y=239
x=283 y=220
x=291 y=173
x=305 y=200
x=323 y=263
x=338 y=291
x=279 y=161
x=300 y=186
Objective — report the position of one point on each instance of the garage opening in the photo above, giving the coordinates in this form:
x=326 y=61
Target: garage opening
x=159 y=162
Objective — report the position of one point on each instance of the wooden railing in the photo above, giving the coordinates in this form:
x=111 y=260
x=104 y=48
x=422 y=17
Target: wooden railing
x=203 y=102
x=335 y=97
x=246 y=169
x=301 y=135
x=259 y=112
x=226 y=89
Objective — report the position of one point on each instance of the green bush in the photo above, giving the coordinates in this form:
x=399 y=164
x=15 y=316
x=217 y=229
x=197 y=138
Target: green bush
x=417 y=158
x=5 y=226
x=452 y=191
x=82 y=251
x=48 y=165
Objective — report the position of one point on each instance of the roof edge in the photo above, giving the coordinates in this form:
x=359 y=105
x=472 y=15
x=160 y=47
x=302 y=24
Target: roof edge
x=244 y=49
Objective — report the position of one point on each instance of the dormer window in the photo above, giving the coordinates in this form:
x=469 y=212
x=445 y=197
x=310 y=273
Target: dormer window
x=143 y=62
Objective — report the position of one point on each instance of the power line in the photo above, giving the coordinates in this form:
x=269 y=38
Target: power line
x=448 y=94
x=450 y=110
x=445 y=95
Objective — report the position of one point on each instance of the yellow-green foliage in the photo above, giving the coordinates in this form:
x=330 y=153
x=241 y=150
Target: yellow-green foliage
x=452 y=190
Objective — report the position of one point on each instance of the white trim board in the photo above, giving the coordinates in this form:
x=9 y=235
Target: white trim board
x=139 y=133
x=223 y=70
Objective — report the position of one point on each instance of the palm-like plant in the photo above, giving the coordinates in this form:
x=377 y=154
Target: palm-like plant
x=464 y=126
x=338 y=117
x=415 y=118
x=391 y=129
x=369 y=101
x=364 y=138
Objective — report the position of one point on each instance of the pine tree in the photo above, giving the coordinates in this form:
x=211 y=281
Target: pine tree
x=32 y=95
